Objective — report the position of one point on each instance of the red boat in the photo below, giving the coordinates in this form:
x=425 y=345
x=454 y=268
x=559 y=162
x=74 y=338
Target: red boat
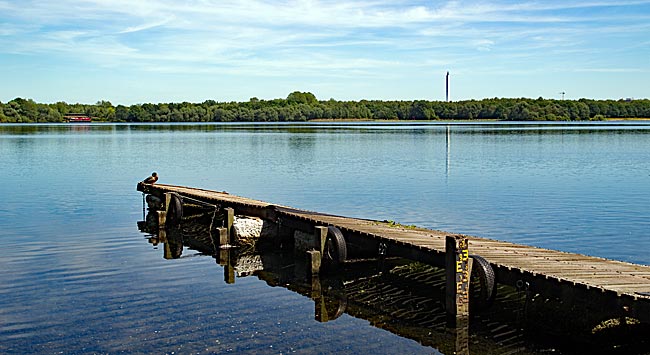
x=77 y=117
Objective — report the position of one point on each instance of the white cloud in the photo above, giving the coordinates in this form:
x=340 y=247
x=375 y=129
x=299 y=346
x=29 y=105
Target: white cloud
x=332 y=38
x=146 y=26
x=483 y=44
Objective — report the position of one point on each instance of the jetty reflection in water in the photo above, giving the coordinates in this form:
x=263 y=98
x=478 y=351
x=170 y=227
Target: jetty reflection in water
x=398 y=295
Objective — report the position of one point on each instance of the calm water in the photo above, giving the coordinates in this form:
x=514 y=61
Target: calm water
x=78 y=277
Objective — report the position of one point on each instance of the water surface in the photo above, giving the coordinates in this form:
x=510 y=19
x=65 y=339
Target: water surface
x=78 y=277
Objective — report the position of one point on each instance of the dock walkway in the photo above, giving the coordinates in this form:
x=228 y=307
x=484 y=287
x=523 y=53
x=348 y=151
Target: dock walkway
x=622 y=287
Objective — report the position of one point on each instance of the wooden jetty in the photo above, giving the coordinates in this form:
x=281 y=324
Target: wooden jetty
x=614 y=289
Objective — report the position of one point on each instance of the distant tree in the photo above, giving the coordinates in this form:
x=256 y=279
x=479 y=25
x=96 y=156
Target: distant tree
x=27 y=109
x=62 y=107
x=149 y=112
x=162 y=113
x=121 y=113
x=48 y=114
x=419 y=110
x=103 y=103
x=3 y=118
x=300 y=106
x=469 y=110
x=11 y=112
x=298 y=97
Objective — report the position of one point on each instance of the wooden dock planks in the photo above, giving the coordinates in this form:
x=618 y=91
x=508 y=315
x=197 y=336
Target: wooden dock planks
x=615 y=277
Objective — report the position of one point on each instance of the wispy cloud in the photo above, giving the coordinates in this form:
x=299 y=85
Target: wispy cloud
x=611 y=70
x=147 y=26
x=330 y=38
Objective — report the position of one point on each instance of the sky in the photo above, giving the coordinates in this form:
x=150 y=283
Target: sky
x=130 y=51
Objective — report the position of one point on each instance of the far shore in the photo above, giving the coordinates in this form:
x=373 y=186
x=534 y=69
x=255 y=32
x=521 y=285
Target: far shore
x=334 y=120
x=346 y=120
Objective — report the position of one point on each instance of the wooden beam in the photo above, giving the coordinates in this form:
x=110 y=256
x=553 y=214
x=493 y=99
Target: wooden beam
x=457 y=285
x=228 y=222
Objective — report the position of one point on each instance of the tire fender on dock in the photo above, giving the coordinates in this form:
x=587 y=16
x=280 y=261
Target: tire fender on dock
x=336 y=252
x=483 y=282
x=175 y=209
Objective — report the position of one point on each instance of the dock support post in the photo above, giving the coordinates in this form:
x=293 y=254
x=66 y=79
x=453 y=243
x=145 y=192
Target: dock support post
x=320 y=236
x=316 y=256
x=314 y=247
x=229 y=273
x=316 y=288
x=168 y=203
x=162 y=232
x=457 y=286
x=221 y=240
x=230 y=219
x=162 y=218
x=168 y=199
x=314 y=259
x=462 y=336
x=162 y=235
x=311 y=247
x=320 y=311
x=225 y=260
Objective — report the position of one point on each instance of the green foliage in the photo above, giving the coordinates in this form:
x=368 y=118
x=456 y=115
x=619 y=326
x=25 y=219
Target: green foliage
x=298 y=97
x=3 y=118
x=302 y=106
x=394 y=224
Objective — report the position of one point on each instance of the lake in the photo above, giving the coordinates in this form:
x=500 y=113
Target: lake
x=79 y=277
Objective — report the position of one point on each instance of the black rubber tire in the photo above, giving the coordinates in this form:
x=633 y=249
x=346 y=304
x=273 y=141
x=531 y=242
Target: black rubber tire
x=341 y=305
x=336 y=252
x=175 y=210
x=482 y=283
x=153 y=202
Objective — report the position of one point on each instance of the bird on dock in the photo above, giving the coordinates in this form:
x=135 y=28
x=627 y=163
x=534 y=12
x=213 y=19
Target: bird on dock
x=151 y=179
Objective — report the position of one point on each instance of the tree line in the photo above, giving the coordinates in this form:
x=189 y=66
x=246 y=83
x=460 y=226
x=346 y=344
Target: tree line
x=303 y=106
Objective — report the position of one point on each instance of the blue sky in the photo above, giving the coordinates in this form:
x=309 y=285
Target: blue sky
x=129 y=51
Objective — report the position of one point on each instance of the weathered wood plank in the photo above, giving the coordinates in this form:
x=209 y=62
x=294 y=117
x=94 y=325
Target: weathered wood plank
x=516 y=260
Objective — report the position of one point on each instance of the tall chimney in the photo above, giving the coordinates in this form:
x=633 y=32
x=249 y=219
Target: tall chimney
x=447 y=86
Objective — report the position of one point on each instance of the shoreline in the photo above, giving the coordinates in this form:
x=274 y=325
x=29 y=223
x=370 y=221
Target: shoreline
x=345 y=120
